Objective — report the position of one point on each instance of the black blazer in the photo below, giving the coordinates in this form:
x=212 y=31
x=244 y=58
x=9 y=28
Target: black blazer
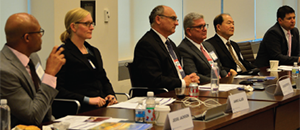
x=225 y=56
x=274 y=46
x=152 y=64
x=77 y=78
x=195 y=61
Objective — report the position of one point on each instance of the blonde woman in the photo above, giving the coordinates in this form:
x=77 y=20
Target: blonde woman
x=83 y=77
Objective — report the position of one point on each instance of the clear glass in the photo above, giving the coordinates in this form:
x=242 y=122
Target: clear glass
x=4 y=115
x=214 y=78
x=139 y=113
x=295 y=70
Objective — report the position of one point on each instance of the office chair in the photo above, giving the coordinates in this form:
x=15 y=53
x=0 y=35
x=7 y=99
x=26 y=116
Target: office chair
x=137 y=91
x=64 y=107
x=246 y=51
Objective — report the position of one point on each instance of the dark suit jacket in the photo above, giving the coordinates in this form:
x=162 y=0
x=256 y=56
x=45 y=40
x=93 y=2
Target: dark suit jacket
x=153 y=66
x=225 y=56
x=195 y=61
x=28 y=106
x=77 y=78
x=274 y=46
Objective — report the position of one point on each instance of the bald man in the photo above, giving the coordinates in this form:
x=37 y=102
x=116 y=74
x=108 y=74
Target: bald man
x=29 y=89
x=156 y=58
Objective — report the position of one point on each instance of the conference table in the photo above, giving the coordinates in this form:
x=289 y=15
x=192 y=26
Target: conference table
x=266 y=111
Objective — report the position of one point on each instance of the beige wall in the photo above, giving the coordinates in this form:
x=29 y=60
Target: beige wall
x=105 y=35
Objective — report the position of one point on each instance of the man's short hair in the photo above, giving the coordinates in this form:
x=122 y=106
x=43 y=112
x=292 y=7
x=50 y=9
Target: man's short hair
x=283 y=10
x=189 y=20
x=158 y=10
x=219 y=20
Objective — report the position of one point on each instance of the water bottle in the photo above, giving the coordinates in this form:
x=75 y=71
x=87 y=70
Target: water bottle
x=139 y=112
x=150 y=105
x=295 y=73
x=214 y=78
x=5 y=115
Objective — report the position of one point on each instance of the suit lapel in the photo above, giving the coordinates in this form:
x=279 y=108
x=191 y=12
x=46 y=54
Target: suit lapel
x=15 y=62
x=76 y=53
x=223 y=47
x=197 y=51
x=163 y=48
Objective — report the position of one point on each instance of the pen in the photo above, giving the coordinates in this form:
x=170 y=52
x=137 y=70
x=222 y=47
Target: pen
x=239 y=88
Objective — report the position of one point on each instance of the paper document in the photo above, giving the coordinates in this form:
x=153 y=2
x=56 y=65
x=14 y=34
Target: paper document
x=132 y=103
x=222 y=87
x=286 y=68
x=86 y=122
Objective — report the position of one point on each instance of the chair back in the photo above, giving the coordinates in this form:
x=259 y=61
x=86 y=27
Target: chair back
x=246 y=51
x=136 y=90
x=64 y=107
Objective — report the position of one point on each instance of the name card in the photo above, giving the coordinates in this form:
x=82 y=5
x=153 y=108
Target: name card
x=284 y=87
x=179 y=120
x=238 y=102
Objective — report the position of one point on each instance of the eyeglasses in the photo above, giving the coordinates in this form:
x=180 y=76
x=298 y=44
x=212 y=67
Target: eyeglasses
x=201 y=26
x=42 y=31
x=88 y=24
x=174 y=18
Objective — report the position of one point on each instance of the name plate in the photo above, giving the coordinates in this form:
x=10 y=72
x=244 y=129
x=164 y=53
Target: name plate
x=179 y=120
x=238 y=102
x=284 y=88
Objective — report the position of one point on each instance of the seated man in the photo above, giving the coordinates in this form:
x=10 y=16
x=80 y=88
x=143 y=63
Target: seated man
x=156 y=60
x=28 y=96
x=198 y=56
x=228 y=51
x=281 y=41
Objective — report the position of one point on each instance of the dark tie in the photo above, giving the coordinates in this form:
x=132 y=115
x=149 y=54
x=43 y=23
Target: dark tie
x=34 y=76
x=234 y=58
x=172 y=53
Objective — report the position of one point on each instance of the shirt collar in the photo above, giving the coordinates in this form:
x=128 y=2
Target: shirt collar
x=163 y=39
x=22 y=57
x=223 y=39
x=284 y=31
x=196 y=44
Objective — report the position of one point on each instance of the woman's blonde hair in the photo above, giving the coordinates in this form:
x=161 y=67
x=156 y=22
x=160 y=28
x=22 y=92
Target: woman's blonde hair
x=74 y=15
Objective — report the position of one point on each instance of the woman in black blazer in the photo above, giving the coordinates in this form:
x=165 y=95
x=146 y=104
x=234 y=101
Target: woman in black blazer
x=83 y=77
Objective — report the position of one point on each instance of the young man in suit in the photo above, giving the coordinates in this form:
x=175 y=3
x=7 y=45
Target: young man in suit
x=281 y=41
x=198 y=56
x=228 y=51
x=153 y=65
x=29 y=94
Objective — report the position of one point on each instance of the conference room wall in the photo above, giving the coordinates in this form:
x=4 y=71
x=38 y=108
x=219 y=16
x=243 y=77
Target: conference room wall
x=8 y=7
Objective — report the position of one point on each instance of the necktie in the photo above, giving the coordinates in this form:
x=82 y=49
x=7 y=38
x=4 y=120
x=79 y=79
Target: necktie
x=34 y=76
x=206 y=54
x=207 y=57
x=234 y=58
x=289 y=43
x=171 y=51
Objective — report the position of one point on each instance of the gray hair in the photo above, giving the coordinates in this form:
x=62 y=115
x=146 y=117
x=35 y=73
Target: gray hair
x=158 y=10
x=189 y=20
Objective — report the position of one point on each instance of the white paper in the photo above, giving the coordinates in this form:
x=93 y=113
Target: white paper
x=238 y=102
x=286 y=86
x=286 y=68
x=222 y=87
x=79 y=122
x=179 y=120
x=242 y=76
x=132 y=103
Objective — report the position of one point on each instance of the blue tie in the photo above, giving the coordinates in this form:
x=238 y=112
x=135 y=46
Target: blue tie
x=172 y=53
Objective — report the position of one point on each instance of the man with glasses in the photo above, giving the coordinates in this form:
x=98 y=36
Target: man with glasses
x=281 y=41
x=156 y=59
x=29 y=89
x=198 y=56
x=228 y=51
